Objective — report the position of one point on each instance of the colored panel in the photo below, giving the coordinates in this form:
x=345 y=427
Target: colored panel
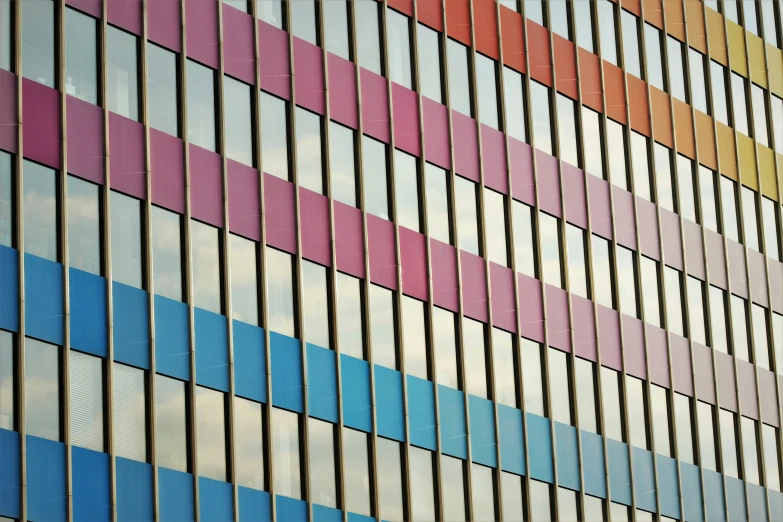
x=775 y=69
x=583 y=323
x=705 y=141
x=286 y=372
x=493 y=149
x=383 y=255
x=316 y=236
x=421 y=413
x=445 y=291
x=482 y=431
x=737 y=272
x=43 y=289
x=512 y=439
x=715 y=258
x=125 y=14
x=633 y=346
x=249 y=361
x=309 y=77
x=647 y=214
x=254 y=505
x=175 y=494
x=238 y=56
x=614 y=87
x=201 y=31
x=565 y=61
x=172 y=334
x=548 y=183
x=85 y=139
x=126 y=162
x=769 y=186
x=644 y=479
x=405 y=103
x=727 y=390
x=343 y=102
x=735 y=499
x=485 y=25
x=131 y=325
x=681 y=366
x=567 y=456
x=413 y=255
x=430 y=13
x=349 y=239
x=135 y=498
x=672 y=248
x=403 y=6
x=290 y=509
x=474 y=286
x=47 y=498
x=694 y=260
x=91 y=7
x=736 y=46
x=593 y=464
x=619 y=472
x=713 y=495
x=91 y=488
x=8 y=114
x=375 y=105
x=458 y=20
x=746 y=384
x=244 y=210
x=758 y=66
x=575 y=195
x=322 y=397
x=726 y=152
x=697 y=34
x=167 y=171
x=703 y=366
x=280 y=213
x=9 y=478
x=453 y=426
x=88 y=313
x=624 y=221
x=757 y=504
x=390 y=415
x=609 y=336
x=639 y=105
x=503 y=299
x=211 y=349
x=465 y=138
x=691 y=492
x=775 y=501
x=513 y=41
x=540 y=440
x=531 y=308
x=668 y=484
x=758 y=278
x=436 y=133
x=684 y=123
x=523 y=184
x=590 y=81
x=662 y=118
x=600 y=206
x=747 y=162
x=216 y=500
x=356 y=394
x=658 y=356
x=41 y=132
x=326 y=514
x=273 y=60
x=557 y=320
x=716 y=38
x=164 y=24
x=206 y=185
x=769 y=407
x=675 y=21
x=540 y=61
x=9 y=289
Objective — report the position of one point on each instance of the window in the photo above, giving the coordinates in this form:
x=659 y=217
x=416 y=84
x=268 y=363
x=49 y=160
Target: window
x=445 y=337
x=566 y=126
x=130 y=412
x=280 y=292
x=777 y=336
x=422 y=485
x=619 y=512
x=653 y=47
x=637 y=412
x=399 y=48
x=534 y=10
x=567 y=505
x=438 y=208
x=606 y=27
x=367 y=22
x=7 y=393
x=172 y=432
x=274 y=136
x=660 y=421
x=602 y=272
x=718 y=92
x=651 y=283
x=350 y=316
x=382 y=330
x=728 y=442
x=750 y=454
x=244 y=279
x=389 y=462
x=631 y=48
x=406 y=183
x=626 y=281
x=583 y=19
x=540 y=501
x=376 y=176
x=414 y=337
x=696 y=307
x=768 y=21
x=122 y=71
x=532 y=377
x=739 y=327
x=459 y=77
x=558 y=18
x=769 y=217
x=542 y=123
x=685 y=186
x=7 y=38
x=429 y=63
x=42 y=389
x=486 y=81
x=84 y=226
x=591 y=137
x=323 y=486
x=594 y=507
x=760 y=336
x=760 y=128
x=495 y=226
x=238 y=126
x=524 y=239
x=728 y=198
x=777 y=120
x=699 y=91
x=683 y=416
x=514 y=96
x=708 y=198
x=342 y=159
x=7 y=198
x=285 y=445
x=336 y=31
x=271 y=12
x=206 y=267
x=615 y=134
x=707 y=436
x=749 y=16
x=249 y=443
x=201 y=106
x=309 y=150
x=750 y=218
x=718 y=321
x=81 y=58
x=739 y=92
x=452 y=473
x=40 y=211
x=162 y=90
x=663 y=177
x=475 y=357
x=612 y=405
x=242 y=5
x=559 y=386
x=483 y=489
x=769 y=437
x=211 y=433
x=504 y=368
x=672 y=279
x=577 y=265
x=640 y=156
x=513 y=496
x=303 y=24
x=86 y=394
x=38 y=47
x=586 y=395
x=467 y=215
x=675 y=51
x=315 y=304
x=550 y=250
x=356 y=469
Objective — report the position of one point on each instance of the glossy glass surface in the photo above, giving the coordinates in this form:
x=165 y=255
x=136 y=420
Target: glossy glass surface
x=206 y=267
x=707 y=436
x=612 y=406
x=567 y=505
x=238 y=126
x=653 y=51
x=540 y=501
x=708 y=198
x=607 y=30
x=651 y=284
x=532 y=377
x=7 y=198
x=699 y=92
x=84 y=226
x=315 y=304
x=309 y=150
x=626 y=282
x=453 y=488
x=616 y=147
x=769 y=438
x=739 y=328
x=130 y=412
x=122 y=73
x=684 y=420
x=640 y=155
x=280 y=292
x=7 y=394
x=459 y=77
x=718 y=92
x=244 y=279
x=438 y=208
x=718 y=321
x=342 y=160
x=660 y=420
x=86 y=396
x=285 y=446
x=323 y=486
x=274 y=136
x=367 y=23
x=728 y=443
x=739 y=93
x=249 y=443
x=663 y=177
x=486 y=82
x=398 y=45
x=541 y=116
x=760 y=336
x=631 y=47
x=271 y=12
x=686 y=189
x=750 y=452
x=422 y=485
x=483 y=492
x=602 y=272
x=750 y=218
x=406 y=183
x=81 y=56
x=303 y=20
x=513 y=496
x=559 y=386
x=674 y=52
x=201 y=106
x=390 y=486
x=495 y=226
x=760 y=127
x=524 y=239
x=591 y=138
x=350 y=316
x=514 y=97
x=40 y=211
x=504 y=368
x=728 y=197
x=162 y=90
x=414 y=337
x=445 y=338
x=171 y=424
x=558 y=18
x=637 y=417
x=336 y=32
x=356 y=477
x=211 y=433
x=382 y=330
x=428 y=44
x=566 y=128
x=467 y=215
x=376 y=177
x=475 y=357
x=586 y=395
x=696 y=306
x=6 y=34
x=672 y=283
x=42 y=389
x=577 y=266
x=583 y=20
x=38 y=42
x=551 y=255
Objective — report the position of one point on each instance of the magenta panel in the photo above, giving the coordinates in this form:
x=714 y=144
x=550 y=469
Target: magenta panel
x=647 y=224
x=727 y=390
x=125 y=14
x=767 y=394
x=383 y=256
x=91 y=7
x=405 y=103
x=776 y=284
x=238 y=57
x=465 y=138
x=126 y=159
x=436 y=133
x=657 y=355
x=523 y=183
x=413 y=256
x=201 y=31
x=244 y=208
x=493 y=147
x=445 y=287
x=280 y=213
x=316 y=236
x=343 y=102
x=167 y=171
x=548 y=183
x=633 y=346
x=715 y=259
x=672 y=249
x=375 y=105
x=702 y=368
x=41 y=131
x=583 y=323
x=7 y=111
x=557 y=321
x=694 y=255
x=758 y=278
x=624 y=222
x=531 y=308
x=85 y=139
x=349 y=239
x=206 y=186
x=600 y=206
x=746 y=381
x=737 y=273
x=309 y=77
x=164 y=24
x=575 y=196
x=503 y=300
x=474 y=286
x=273 y=60
x=609 y=338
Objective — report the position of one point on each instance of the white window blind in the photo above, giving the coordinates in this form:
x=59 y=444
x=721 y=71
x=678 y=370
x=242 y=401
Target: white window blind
x=86 y=401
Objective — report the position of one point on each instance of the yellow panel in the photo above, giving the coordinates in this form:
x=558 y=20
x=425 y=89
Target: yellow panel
x=739 y=61
x=775 y=67
x=769 y=186
x=726 y=153
x=747 y=161
x=716 y=37
x=758 y=67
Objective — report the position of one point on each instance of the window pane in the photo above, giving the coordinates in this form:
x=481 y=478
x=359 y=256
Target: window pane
x=38 y=34
x=368 y=35
x=170 y=409
x=768 y=20
x=606 y=26
x=718 y=321
x=406 y=182
x=452 y=472
x=244 y=279
x=619 y=512
x=206 y=261
x=350 y=316
x=342 y=159
x=585 y=394
x=559 y=386
x=81 y=62
x=591 y=136
x=685 y=184
x=739 y=328
x=651 y=284
x=323 y=487
x=641 y=166
x=750 y=450
x=130 y=412
x=336 y=28
x=594 y=507
x=429 y=63
x=238 y=4
x=769 y=436
x=583 y=19
x=167 y=253
x=709 y=215
x=495 y=226
x=631 y=47
x=382 y=329
x=483 y=489
x=459 y=77
x=760 y=337
x=676 y=69
x=610 y=398
x=663 y=177
x=542 y=124
x=201 y=107
x=6 y=34
x=40 y=211
x=653 y=53
x=696 y=306
x=414 y=336
x=444 y=335
x=309 y=150
x=660 y=422
x=504 y=368
x=513 y=497
x=615 y=134
x=238 y=127
x=683 y=414
x=577 y=266
x=566 y=127
x=602 y=272
x=540 y=502
x=7 y=199
x=438 y=220
x=316 y=304
x=534 y=10
x=86 y=387
x=285 y=445
x=7 y=387
x=84 y=229
x=718 y=92
x=558 y=18
x=750 y=218
x=771 y=242
x=760 y=128
x=42 y=389
x=707 y=436
x=532 y=377
x=550 y=250
x=399 y=48
x=777 y=336
x=514 y=96
x=749 y=16
x=637 y=417
x=357 y=475
x=422 y=485
x=524 y=239
x=674 y=302
x=390 y=479
x=740 y=104
x=280 y=292
x=728 y=197
x=271 y=12
x=274 y=136
x=303 y=20
x=728 y=442
x=376 y=177
x=162 y=90
x=567 y=502
x=475 y=356
x=486 y=82
x=122 y=72
x=698 y=88
x=467 y=216
x=211 y=433
x=249 y=443
x=777 y=118
x=626 y=284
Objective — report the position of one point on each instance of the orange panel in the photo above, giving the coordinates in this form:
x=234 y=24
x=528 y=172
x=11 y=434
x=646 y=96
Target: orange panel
x=697 y=37
x=486 y=24
x=540 y=58
x=615 y=93
x=726 y=152
x=705 y=140
x=653 y=13
x=458 y=20
x=634 y=6
x=717 y=37
x=640 y=109
x=675 y=23
x=662 y=120
x=431 y=13
x=565 y=63
x=403 y=6
x=684 y=129
x=589 y=67
x=513 y=39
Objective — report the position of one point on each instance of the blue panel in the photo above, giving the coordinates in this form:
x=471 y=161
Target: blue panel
x=355 y=517
x=388 y=399
x=757 y=504
x=175 y=495
x=326 y=514
x=567 y=456
x=713 y=496
x=482 y=431
x=668 y=486
x=286 y=372
x=644 y=479
x=453 y=426
x=539 y=442
x=91 y=488
x=735 y=499
x=249 y=362
x=322 y=398
x=254 y=505
x=131 y=325
x=172 y=338
x=512 y=439
x=619 y=472
x=775 y=501
x=43 y=287
x=593 y=464
x=46 y=493
x=291 y=509
x=9 y=474
x=216 y=500
x=135 y=501
x=211 y=349
x=421 y=413
x=357 y=402
x=89 y=332
x=9 y=289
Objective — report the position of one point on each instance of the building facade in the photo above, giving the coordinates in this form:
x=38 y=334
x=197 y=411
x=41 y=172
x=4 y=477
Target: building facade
x=400 y=260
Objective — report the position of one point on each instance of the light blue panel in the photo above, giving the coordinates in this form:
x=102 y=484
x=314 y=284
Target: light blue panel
x=388 y=403
x=135 y=502
x=89 y=332
x=9 y=289
x=775 y=501
x=512 y=439
x=254 y=505
x=216 y=500
x=286 y=372
x=211 y=349
x=9 y=474
x=421 y=413
x=691 y=492
x=291 y=509
x=713 y=496
x=249 y=361
x=175 y=496
x=357 y=402
x=355 y=517
x=757 y=504
x=131 y=325
x=326 y=514
x=619 y=472
x=567 y=456
x=482 y=431
x=668 y=486
x=539 y=442
x=453 y=426
x=735 y=499
x=593 y=464
x=91 y=487
x=46 y=493
x=644 y=479
x=43 y=287
x=322 y=400
x=172 y=344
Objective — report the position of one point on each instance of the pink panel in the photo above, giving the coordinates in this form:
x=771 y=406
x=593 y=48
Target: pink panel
x=91 y=7
x=405 y=103
x=125 y=14
x=557 y=321
x=715 y=259
x=126 y=160
x=202 y=31
x=343 y=102
x=316 y=236
x=164 y=24
x=727 y=390
x=575 y=197
x=85 y=139
x=694 y=258
x=739 y=278
x=206 y=186
x=672 y=250
x=238 y=56
x=445 y=289
x=7 y=111
x=474 y=286
x=583 y=323
x=167 y=171
x=702 y=367
x=609 y=338
x=624 y=222
x=776 y=284
x=523 y=184
x=349 y=239
x=503 y=301
x=493 y=144
x=375 y=105
x=681 y=366
x=309 y=77
x=548 y=183
x=758 y=278
x=244 y=209
x=273 y=60
x=600 y=206
x=647 y=214
x=413 y=255
x=41 y=114
x=383 y=257
x=746 y=381
x=633 y=346
x=465 y=146
x=531 y=308
x=280 y=213
x=767 y=393
x=436 y=133
x=658 y=355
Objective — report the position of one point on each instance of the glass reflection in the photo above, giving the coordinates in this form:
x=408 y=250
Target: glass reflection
x=406 y=182
x=7 y=402
x=342 y=160
x=316 y=304
x=280 y=292
x=709 y=215
x=768 y=214
x=206 y=261
x=524 y=239
x=422 y=485
x=38 y=34
x=438 y=209
x=486 y=81
x=760 y=337
x=651 y=300
x=323 y=488
x=663 y=177
x=201 y=105
x=445 y=338
x=350 y=316
x=583 y=19
x=309 y=150
x=542 y=124
x=86 y=398
x=674 y=51
x=475 y=357
x=532 y=377
x=672 y=280
x=376 y=176
x=6 y=201
x=414 y=336
x=615 y=143
x=162 y=90
x=249 y=443
x=698 y=89
x=653 y=53
x=356 y=469
x=122 y=71
x=626 y=282
x=238 y=128
x=707 y=436
x=513 y=502
x=40 y=211
x=718 y=322
x=285 y=445
x=303 y=23
x=130 y=413
x=367 y=24
x=390 y=488
x=514 y=97
x=81 y=62
x=696 y=307
x=606 y=25
x=631 y=48
x=244 y=279
x=126 y=240
x=211 y=433
x=84 y=226
x=42 y=389
x=559 y=386
x=684 y=422
x=271 y=12
x=483 y=492
x=637 y=418
x=728 y=443
x=504 y=368
x=641 y=166
x=739 y=327
x=382 y=330
x=428 y=44
x=453 y=487
x=728 y=200
x=336 y=32
x=566 y=126
x=591 y=136
x=610 y=401
x=685 y=186
x=750 y=218
x=398 y=44
x=585 y=395
x=718 y=92
x=459 y=77
x=467 y=215
x=577 y=267
x=171 y=426
x=495 y=225
x=550 y=250
x=274 y=136
x=602 y=272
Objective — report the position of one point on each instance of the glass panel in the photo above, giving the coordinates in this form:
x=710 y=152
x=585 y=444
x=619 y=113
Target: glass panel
x=631 y=48
x=122 y=72
x=467 y=215
x=602 y=272
x=760 y=128
x=615 y=134
x=559 y=386
x=7 y=198
x=672 y=280
x=459 y=76
x=211 y=433
x=429 y=63
x=641 y=166
x=475 y=357
x=619 y=512
x=749 y=16
x=769 y=437
x=740 y=104
x=390 y=479
x=249 y=443
x=303 y=23
x=280 y=292
x=350 y=316
x=162 y=90
x=707 y=436
x=653 y=53
x=242 y=5
x=438 y=218
x=323 y=487
x=483 y=489
x=606 y=26
x=777 y=119
x=750 y=450
x=594 y=507
x=585 y=394
x=376 y=177
x=81 y=58
x=566 y=128
x=206 y=261
x=591 y=136
x=309 y=150
x=399 y=48
x=130 y=412
x=406 y=182
x=382 y=330
x=271 y=12
x=336 y=32
x=663 y=177
x=201 y=106
x=777 y=336
x=84 y=226
x=651 y=300
x=172 y=437
x=40 y=211
x=660 y=422
x=422 y=485
x=7 y=398
x=542 y=117
x=342 y=159
x=771 y=242
x=567 y=510
x=577 y=266
x=760 y=337
x=540 y=502
x=524 y=239
x=357 y=475
x=626 y=284
x=675 y=53
x=414 y=337
x=768 y=21
x=534 y=10
x=637 y=417
x=718 y=92
x=513 y=497
x=238 y=127
x=504 y=368
x=532 y=377
x=750 y=218
x=739 y=328
x=583 y=19
x=315 y=301
x=126 y=240
x=610 y=399
x=495 y=226
x=86 y=387
x=685 y=184
x=486 y=82
x=514 y=96
x=709 y=213
x=445 y=338
x=728 y=442
x=718 y=321
x=38 y=34
x=367 y=24
x=7 y=34
x=728 y=193
x=558 y=18
x=244 y=279
x=285 y=445
x=42 y=389
x=698 y=88
x=550 y=250
x=683 y=416
x=274 y=136
x=696 y=307
x=452 y=473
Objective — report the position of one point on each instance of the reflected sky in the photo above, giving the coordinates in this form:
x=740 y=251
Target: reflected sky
x=559 y=387
x=390 y=479
x=7 y=405
x=84 y=231
x=356 y=469
x=211 y=433
x=495 y=225
x=398 y=47
x=684 y=423
x=309 y=150
x=453 y=489
x=421 y=485
x=739 y=327
x=483 y=492
x=336 y=28
x=414 y=337
x=651 y=301
x=532 y=378
x=238 y=127
x=626 y=285
x=274 y=136
x=610 y=399
x=486 y=82
x=475 y=357
x=375 y=175
x=602 y=272
x=504 y=366
x=585 y=395
x=126 y=240
x=162 y=89
x=577 y=267
x=167 y=253
x=406 y=182
x=40 y=210
x=367 y=23
x=428 y=43
x=444 y=335
x=280 y=292
x=660 y=421
x=696 y=306
x=467 y=216
x=122 y=72
x=285 y=444
x=342 y=161
x=302 y=14
x=316 y=305
x=249 y=443
x=672 y=282
x=524 y=239
x=171 y=426
x=205 y=253
x=550 y=249
x=244 y=279
x=459 y=77
x=637 y=423
x=201 y=106
x=42 y=389
x=323 y=488
x=350 y=316
x=384 y=345
x=130 y=413
x=86 y=397
x=438 y=223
